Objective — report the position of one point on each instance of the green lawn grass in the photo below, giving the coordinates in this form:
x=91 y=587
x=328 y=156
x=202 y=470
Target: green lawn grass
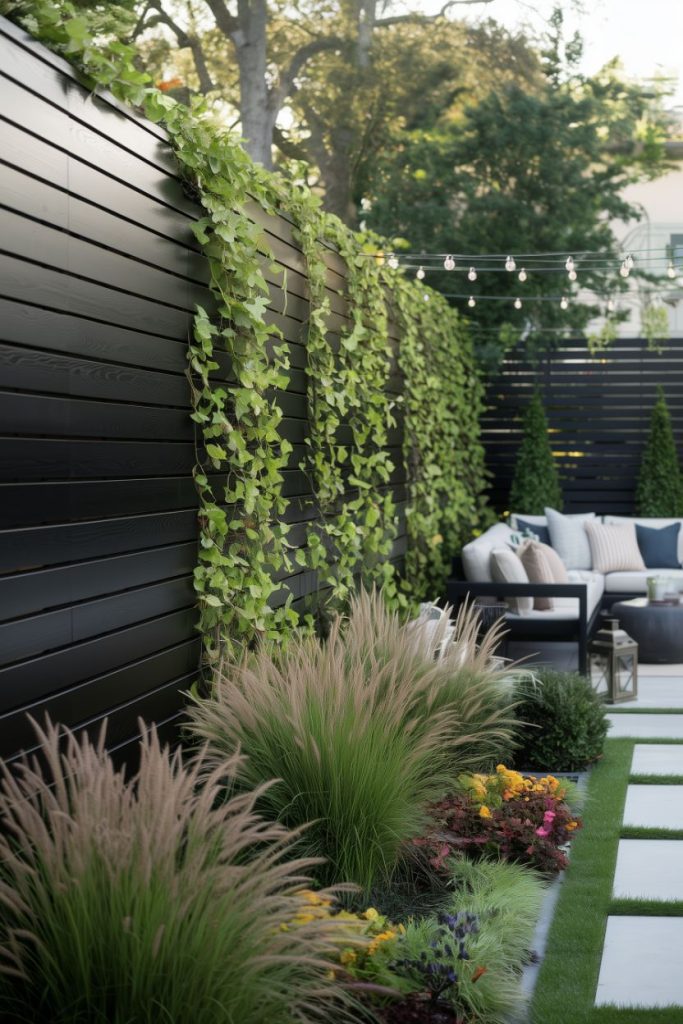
x=568 y=977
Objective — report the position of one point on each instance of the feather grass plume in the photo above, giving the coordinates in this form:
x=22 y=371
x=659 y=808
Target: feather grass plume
x=150 y=899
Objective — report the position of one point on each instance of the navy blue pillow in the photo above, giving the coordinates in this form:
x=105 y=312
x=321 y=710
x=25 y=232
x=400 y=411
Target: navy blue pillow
x=659 y=546
x=542 y=532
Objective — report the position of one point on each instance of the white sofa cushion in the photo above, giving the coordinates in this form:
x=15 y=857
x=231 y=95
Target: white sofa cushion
x=476 y=556
x=569 y=538
x=567 y=608
x=614 y=547
x=636 y=582
x=654 y=523
x=506 y=567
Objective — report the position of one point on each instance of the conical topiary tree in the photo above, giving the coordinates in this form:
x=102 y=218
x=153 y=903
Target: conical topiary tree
x=659 y=491
x=536 y=481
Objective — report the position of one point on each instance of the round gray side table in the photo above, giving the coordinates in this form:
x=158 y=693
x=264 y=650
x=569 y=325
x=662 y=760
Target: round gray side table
x=656 y=628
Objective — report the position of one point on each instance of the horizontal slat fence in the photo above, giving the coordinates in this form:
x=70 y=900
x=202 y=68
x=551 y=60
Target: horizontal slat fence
x=598 y=409
x=99 y=274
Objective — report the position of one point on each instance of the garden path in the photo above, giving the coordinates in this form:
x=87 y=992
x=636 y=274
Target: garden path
x=641 y=959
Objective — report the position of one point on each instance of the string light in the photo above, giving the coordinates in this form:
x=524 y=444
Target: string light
x=510 y=264
x=393 y=262
x=564 y=302
x=471 y=274
x=522 y=275
x=569 y=265
x=611 y=305
x=471 y=302
x=572 y=275
x=671 y=270
x=420 y=274
x=624 y=269
x=629 y=261
x=449 y=263
x=517 y=303
x=426 y=297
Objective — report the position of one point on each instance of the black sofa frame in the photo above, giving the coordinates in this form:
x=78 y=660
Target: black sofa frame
x=579 y=629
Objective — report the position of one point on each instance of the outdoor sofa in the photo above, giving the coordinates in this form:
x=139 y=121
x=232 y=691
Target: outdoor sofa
x=569 y=610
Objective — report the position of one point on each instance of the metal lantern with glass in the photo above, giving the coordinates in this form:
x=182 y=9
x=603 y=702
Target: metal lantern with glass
x=614 y=663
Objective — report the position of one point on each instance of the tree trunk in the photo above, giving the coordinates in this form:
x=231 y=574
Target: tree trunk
x=250 y=43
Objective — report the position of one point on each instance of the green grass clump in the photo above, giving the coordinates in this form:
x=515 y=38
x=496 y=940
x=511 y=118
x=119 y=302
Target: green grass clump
x=363 y=730
x=506 y=900
x=149 y=899
x=565 y=720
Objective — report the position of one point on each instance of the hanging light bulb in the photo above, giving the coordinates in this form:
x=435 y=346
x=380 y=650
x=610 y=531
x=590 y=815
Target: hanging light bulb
x=629 y=261
x=517 y=303
x=624 y=269
x=510 y=264
x=471 y=274
x=569 y=265
x=671 y=270
x=393 y=261
x=420 y=274
x=572 y=275
x=522 y=275
x=564 y=302
x=610 y=306
x=471 y=302
x=449 y=263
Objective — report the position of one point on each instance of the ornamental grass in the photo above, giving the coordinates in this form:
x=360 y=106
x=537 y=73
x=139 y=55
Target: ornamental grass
x=151 y=899
x=363 y=730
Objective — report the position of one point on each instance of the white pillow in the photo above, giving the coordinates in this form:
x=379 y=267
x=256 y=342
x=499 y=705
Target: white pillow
x=614 y=547
x=569 y=538
x=507 y=568
x=476 y=556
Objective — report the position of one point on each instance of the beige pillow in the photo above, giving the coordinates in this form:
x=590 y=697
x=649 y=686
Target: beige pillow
x=507 y=568
x=614 y=547
x=543 y=565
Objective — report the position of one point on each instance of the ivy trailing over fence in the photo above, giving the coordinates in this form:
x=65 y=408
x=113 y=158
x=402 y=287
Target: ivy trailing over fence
x=444 y=458
x=350 y=411
x=243 y=540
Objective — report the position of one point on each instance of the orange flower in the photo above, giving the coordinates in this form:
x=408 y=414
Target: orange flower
x=172 y=83
x=478 y=973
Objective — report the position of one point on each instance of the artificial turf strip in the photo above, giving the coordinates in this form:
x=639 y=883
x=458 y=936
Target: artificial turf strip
x=646 y=908
x=644 y=832
x=656 y=780
x=565 y=990
x=642 y=711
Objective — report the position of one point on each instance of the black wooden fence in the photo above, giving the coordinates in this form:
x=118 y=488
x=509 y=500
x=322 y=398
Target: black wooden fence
x=598 y=411
x=99 y=274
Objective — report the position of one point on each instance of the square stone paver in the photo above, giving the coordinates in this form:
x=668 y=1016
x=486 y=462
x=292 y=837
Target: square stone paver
x=657 y=759
x=649 y=869
x=641 y=962
x=654 y=806
x=654 y=727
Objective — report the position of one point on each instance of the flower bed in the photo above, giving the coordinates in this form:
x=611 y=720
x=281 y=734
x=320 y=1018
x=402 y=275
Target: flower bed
x=515 y=817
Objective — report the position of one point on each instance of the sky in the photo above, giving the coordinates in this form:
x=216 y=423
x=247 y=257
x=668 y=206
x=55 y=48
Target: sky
x=646 y=34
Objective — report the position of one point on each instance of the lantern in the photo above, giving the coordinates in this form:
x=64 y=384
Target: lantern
x=614 y=663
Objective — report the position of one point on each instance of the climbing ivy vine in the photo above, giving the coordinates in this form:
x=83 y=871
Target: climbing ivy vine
x=244 y=543
x=442 y=452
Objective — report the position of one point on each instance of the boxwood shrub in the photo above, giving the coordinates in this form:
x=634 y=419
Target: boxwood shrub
x=565 y=723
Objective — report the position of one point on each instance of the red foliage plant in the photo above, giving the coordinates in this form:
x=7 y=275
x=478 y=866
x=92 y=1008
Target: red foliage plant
x=530 y=826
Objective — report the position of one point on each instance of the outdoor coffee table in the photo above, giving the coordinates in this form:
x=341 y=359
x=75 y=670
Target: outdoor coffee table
x=656 y=628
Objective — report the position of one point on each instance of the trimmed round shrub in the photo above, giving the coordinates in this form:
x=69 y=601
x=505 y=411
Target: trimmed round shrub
x=565 y=723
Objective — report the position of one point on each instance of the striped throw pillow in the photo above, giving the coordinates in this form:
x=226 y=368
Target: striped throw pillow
x=614 y=547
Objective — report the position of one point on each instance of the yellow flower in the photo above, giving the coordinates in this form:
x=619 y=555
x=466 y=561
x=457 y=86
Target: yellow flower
x=304 y=918
x=379 y=939
x=572 y=825
x=347 y=956
x=484 y=812
x=370 y=914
